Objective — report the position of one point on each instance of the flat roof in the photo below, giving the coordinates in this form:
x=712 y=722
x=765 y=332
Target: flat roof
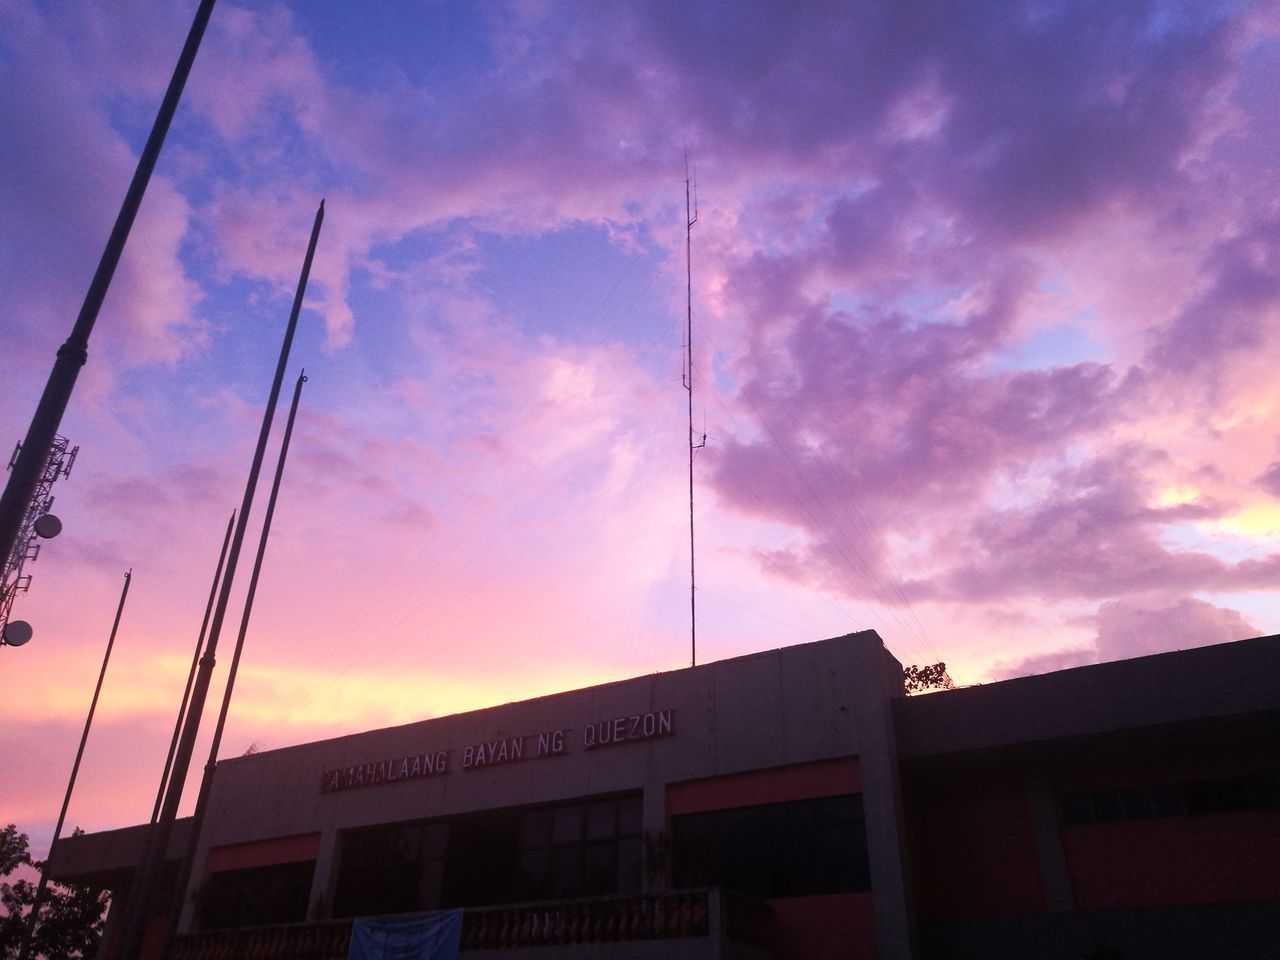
x=1219 y=681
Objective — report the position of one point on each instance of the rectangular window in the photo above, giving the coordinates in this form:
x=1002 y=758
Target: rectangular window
x=792 y=849
x=391 y=869
x=1258 y=791
x=256 y=896
x=559 y=851
x=582 y=849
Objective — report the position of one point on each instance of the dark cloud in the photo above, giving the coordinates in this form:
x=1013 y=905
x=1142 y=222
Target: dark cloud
x=1231 y=315
x=1039 y=112
x=1071 y=106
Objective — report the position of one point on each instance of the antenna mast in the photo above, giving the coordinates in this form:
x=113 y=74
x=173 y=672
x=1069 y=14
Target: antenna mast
x=691 y=217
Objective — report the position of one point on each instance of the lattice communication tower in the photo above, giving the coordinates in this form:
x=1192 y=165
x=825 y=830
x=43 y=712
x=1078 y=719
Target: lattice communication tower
x=38 y=524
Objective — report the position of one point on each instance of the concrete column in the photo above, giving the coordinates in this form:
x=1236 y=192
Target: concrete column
x=882 y=802
x=187 y=918
x=1047 y=833
x=324 y=882
x=108 y=946
x=655 y=827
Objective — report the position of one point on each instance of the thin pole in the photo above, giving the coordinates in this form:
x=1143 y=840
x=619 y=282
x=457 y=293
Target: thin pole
x=144 y=882
x=71 y=356
x=29 y=930
x=690 y=219
x=191 y=673
x=206 y=783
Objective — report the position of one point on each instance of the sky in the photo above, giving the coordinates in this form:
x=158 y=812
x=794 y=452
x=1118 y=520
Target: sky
x=984 y=327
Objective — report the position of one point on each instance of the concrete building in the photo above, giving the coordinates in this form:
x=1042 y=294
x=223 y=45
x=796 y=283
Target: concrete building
x=789 y=804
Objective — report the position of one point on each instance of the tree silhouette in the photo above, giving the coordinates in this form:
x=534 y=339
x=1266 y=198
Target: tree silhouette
x=932 y=676
x=71 y=918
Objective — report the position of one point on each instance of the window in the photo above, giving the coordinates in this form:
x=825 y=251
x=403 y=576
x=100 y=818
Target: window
x=1252 y=792
x=584 y=849
x=391 y=869
x=256 y=896
x=799 y=848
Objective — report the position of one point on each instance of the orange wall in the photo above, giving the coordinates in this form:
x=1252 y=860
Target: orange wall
x=1215 y=857
x=264 y=853
x=973 y=854
x=1139 y=863
x=805 y=781
x=972 y=850
x=834 y=927
x=841 y=926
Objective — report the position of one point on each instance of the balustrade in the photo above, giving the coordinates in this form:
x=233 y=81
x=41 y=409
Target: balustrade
x=607 y=919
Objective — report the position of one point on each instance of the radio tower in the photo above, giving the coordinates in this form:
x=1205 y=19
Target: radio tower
x=691 y=217
x=37 y=524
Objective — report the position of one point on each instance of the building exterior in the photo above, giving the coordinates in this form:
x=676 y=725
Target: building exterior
x=790 y=804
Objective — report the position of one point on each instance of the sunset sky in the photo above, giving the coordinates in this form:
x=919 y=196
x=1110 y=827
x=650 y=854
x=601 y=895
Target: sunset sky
x=985 y=303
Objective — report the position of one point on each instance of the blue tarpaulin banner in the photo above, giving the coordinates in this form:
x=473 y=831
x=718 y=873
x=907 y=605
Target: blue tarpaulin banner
x=428 y=936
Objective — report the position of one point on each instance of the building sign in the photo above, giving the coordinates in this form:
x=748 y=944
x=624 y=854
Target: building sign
x=637 y=726
x=386 y=771
x=612 y=731
x=510 y=749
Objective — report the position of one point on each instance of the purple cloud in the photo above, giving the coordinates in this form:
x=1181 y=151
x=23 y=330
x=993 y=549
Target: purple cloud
x=1137 y=628
x=1270 y=479
x=1231 y=316
x=897 y=421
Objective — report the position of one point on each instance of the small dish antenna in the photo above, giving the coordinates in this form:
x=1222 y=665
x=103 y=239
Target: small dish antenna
x=48 y=526
x=17 y=632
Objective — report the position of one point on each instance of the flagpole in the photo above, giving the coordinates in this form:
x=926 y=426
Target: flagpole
x=191 y=673
x=157 y=843
x=206 y=782
x=30 y=927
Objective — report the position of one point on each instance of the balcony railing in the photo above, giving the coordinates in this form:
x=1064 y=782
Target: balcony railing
x=661 y=916
x=679 y=915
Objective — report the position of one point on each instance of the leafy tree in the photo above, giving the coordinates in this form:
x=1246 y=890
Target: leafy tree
x=932 y=676
x=71 y=918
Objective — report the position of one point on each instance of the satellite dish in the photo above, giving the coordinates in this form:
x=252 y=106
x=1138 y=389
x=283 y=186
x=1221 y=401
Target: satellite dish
x=17 y=632
x=48 y=526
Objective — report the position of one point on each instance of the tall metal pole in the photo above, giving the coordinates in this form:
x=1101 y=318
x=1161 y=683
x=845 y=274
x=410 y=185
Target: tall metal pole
x=191 y=673
x=206 y=783
x=71 y=355
x=25 y=949
x=142 y=890
x=690 y=219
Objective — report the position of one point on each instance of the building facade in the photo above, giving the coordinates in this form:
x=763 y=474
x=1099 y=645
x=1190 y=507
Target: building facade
x=789 y=804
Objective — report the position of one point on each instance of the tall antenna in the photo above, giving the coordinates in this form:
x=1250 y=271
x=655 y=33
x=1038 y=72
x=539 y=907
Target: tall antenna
x=206 y=783
x=691 y=217
x=37 y=524
x=146 y=878
x=28 y=931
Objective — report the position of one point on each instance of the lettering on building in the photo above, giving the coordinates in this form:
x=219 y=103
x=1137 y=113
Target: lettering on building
x=636 y=726
x=551 y=743
x=500 y=751
x=378 y=772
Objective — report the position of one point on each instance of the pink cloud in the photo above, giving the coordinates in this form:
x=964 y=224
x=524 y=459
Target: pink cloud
x=1139 y=627
x=1128 y=628
x=1270 y=479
